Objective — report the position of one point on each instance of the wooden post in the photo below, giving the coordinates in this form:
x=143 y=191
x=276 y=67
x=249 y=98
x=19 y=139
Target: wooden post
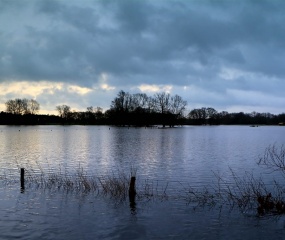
x=22 y=178
x=132 y=195
x=132 y=189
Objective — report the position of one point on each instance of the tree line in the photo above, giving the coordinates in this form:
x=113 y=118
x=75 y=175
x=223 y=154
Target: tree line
x=131 y=110
x=22 y=106
x=134 y=110
x=202 y=116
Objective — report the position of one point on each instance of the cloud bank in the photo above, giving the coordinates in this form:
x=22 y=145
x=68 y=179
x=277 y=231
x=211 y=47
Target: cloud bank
x=225 y=54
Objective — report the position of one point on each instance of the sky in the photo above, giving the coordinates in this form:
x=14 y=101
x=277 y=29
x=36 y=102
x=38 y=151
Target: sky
x=224 y=54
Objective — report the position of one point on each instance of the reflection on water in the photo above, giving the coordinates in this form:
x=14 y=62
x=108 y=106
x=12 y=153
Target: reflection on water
x=187 y=155
x=57 y=215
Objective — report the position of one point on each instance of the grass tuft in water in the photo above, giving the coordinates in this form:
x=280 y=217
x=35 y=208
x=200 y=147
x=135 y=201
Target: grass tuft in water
x=246 y=192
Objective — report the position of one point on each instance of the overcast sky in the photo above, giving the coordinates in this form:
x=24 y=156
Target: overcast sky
x=229 y=55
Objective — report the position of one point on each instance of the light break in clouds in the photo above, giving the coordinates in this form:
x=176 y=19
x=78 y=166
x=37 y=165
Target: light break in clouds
x=223 y=54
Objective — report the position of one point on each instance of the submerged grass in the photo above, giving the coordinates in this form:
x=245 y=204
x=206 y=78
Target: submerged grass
x=80 y=182
x=246 y=192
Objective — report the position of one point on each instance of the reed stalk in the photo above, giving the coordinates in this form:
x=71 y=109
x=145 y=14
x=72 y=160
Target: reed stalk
x=246 y=192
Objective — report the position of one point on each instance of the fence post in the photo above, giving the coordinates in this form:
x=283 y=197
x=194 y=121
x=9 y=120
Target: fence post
x=22 y=178
x=132 y=189
x=132 y=195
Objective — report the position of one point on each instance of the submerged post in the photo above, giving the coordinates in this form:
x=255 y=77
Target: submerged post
x=132 y=195
x=132 y=189
x=22 y=178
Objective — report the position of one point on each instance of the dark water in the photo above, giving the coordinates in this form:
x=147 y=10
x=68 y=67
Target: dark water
x=187 y=155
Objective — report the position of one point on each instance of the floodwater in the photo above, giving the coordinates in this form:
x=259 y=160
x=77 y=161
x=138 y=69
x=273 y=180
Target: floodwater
x=190 y=156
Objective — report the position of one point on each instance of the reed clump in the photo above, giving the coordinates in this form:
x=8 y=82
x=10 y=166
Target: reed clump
x=248 y=192
x=115 y=185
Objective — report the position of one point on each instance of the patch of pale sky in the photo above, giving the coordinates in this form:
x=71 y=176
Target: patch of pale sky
x=28 y=89
x=35 y=90
x=2 y=107
x=79 y=90
x=231 y=74
x=103 y=83
x=146 y=88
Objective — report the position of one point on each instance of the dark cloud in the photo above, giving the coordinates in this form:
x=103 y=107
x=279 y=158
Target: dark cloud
x=213 y=45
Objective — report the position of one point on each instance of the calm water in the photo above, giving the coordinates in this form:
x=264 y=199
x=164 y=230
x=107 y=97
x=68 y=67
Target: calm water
x=188 y=155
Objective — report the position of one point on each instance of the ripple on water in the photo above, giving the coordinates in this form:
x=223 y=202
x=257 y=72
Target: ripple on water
x=174 y=158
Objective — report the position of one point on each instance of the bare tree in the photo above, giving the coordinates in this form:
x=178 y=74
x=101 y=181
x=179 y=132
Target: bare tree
x=151 y=104
x=211 y=112
x=198 y=114
x=123 y=102
x=162 y=102
x=11 y=106
x=139 y=100
x=22 y=106
x=194 y=114
x=90 y=109
x=203 y=115
x=94 y=113
x=177 y=105
x=63 y=111
x=33 y=106
x=99 y=112
x=119 y=102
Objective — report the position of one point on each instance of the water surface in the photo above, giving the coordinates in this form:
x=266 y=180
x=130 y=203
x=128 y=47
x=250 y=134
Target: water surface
x=188 y=155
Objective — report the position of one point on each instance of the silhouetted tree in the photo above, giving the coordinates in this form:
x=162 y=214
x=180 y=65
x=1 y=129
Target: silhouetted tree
x=177 y=105
x=63 y=111
x=162 y=102
x=140 y=100
x=198 y=115
x=93 y=115
x=203 y=115
x=133 y=109
x=211 y=115
x=98 y=113
x=22 y=106
x=122 y=102
x=11 y=107
x=140 y=109
x=151 y=104
x=224 y=117
x=33 y=106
